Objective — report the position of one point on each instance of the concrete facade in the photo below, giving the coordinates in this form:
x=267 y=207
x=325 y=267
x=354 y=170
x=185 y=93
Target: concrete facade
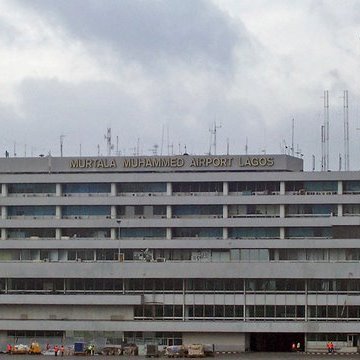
x=212 y=249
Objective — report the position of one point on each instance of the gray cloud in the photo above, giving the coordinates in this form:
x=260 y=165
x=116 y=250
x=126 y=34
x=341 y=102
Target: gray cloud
x=151 y=31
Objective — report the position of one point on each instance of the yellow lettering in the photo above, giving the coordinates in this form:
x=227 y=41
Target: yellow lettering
x=216 y=162
x=270 y=161
x=74 y=163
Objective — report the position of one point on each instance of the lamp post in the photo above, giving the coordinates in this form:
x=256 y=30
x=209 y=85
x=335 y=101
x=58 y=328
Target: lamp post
x=118 y=221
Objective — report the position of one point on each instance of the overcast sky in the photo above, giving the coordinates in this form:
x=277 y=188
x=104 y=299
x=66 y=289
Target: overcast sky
x=162 y=72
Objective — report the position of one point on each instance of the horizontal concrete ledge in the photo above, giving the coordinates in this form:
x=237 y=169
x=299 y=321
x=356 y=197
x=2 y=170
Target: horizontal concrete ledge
x=90 y=299
x=181 y=270
x=183 y=326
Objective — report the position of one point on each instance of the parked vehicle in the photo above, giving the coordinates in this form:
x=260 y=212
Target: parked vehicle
x=34 y=348
x=151 y=350
x=112 y=350
x=175 y=351
x=195 y=350
x=130 y=349
x=19 y=349
x=79 y=348
x=209 y=349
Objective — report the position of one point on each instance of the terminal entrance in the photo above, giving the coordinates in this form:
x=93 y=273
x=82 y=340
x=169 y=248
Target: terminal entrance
x=277 y=342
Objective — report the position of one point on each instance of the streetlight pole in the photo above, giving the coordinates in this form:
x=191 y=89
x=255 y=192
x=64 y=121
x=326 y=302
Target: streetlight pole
x=118 y=221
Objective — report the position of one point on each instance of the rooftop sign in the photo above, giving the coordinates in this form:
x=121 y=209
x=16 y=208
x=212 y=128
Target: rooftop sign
x=174 y=162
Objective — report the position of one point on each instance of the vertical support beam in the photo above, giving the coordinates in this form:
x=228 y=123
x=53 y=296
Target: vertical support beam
x=282 y=233
x=113 y=233
x=113 y=211
x=58 y=213
x=4 y=212
x=225 y=211
x=225 y=233
x=58 y=190
x=225 y=188
x=169 y=188
x=4 y=190
x=3 y=234
x=168 y=233
x=57 y=234
x=168 y=212
x=282 y=187
x=340 y=188
x=282 y=210
x=113 y=189
x=184 y=299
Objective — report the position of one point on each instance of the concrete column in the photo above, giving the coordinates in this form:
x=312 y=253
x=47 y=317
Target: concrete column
x=3 y=212
x=4 y=191
x=168 y=212
x=225 y=233
x=168 y=188
x=282 y=233
x=113 y=189
x=58 y=212
x=225 y=188
x=340 y=210
x=282 y=187
x=58 y=190
x=114 y=233
x=225 y=212
x=57 y=234
x=113 y=211
x=3 y=234
x=340 y=187
x=276 y=254
x=168 y=233
x=282 y=210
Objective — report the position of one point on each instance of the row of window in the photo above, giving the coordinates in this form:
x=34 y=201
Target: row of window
x=130 y=286
x=195 y=255
x=259 y=312
x=247 y=188
x=135 y=211
x=189 y=232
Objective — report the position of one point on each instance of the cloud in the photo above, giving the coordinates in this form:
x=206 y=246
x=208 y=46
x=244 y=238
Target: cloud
x=151 y=32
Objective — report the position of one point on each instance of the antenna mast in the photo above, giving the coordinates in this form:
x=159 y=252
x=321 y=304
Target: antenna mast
x=109 y=145
x=61 y=144
x=213 y=136
x=326 y=130
x=346 y=131
x=322 y=148
x=292 y=137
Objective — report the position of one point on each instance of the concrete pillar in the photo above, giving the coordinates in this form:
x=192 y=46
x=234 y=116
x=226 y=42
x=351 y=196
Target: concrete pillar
x=225 y=188
x=3 y=234
x=113 y=211
x=58 y=190
x=4 y=191
x=168 y=233
x=168 y=212
x=168 y=188
x=282 y=210
x=113 y=189
x=4 y=212
x=340 y=210
x=282 y=187
x=225 y=233
x=58 y=212
x=225 y=212
x=58 y=234
x=114 y=233
x=282 y=233
x=340 y=188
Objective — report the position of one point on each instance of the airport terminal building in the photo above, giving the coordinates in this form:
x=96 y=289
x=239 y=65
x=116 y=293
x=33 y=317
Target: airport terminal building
x=247 y=252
